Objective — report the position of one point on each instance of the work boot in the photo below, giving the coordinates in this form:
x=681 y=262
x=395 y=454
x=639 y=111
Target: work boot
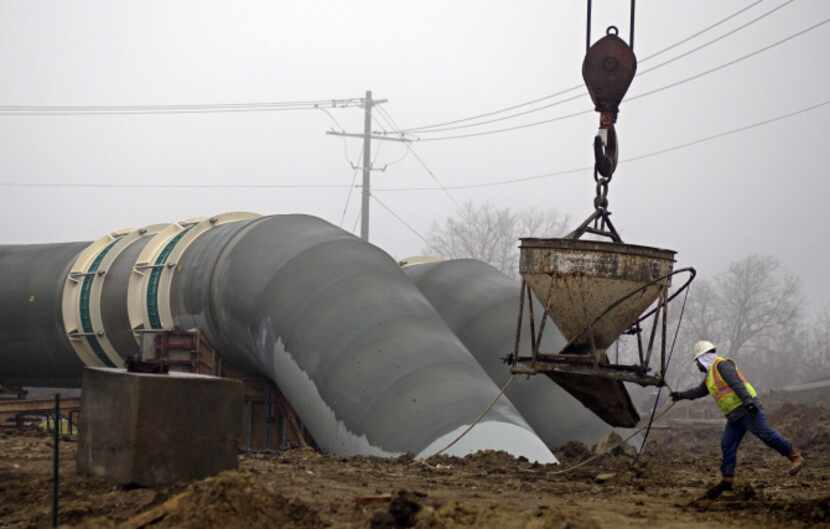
x=716 y=491
x=797 y=462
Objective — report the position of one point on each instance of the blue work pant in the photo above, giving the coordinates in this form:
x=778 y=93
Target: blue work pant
x=734 y=434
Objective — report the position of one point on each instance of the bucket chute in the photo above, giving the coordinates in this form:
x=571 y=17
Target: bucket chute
x=594 y=291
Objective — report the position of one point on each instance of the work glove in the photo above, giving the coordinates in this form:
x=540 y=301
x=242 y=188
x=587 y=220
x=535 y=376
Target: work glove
x=751 y=408
x=675 y=396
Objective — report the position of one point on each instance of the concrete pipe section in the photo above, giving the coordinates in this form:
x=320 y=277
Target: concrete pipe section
x=364 y=358
x=480 y=305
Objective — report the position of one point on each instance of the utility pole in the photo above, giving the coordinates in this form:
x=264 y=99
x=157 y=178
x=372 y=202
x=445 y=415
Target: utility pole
x=367 y=168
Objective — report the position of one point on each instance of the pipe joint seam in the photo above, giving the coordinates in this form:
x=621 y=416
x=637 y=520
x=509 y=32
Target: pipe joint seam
x=148 y=294
x=81 y=299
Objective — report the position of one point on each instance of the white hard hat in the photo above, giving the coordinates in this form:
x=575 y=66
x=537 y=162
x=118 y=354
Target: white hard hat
x=702 y=347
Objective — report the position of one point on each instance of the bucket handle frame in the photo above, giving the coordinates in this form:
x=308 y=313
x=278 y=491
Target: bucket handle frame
x=590 y=364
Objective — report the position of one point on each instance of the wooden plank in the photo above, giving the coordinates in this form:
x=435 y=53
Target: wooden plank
x=17 y=406
x=12 y=408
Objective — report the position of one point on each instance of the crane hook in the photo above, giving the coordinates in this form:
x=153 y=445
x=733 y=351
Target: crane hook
x=605 y=151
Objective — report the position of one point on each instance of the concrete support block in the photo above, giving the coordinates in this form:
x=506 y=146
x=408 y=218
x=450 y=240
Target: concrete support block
x=148 y=429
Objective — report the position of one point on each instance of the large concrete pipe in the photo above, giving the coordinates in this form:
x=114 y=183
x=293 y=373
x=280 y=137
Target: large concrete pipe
x=480 y=304
x=34 y=349
x=359 y=352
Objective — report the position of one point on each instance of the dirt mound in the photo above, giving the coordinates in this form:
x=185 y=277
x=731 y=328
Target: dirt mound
x=487 y=461
x=813 y=511
x=807 y=426
x=416 y=510
x=572 y=452
x=746 y=498
x=492 y=458
x=231 y=499
x=402 y=511
x=302 y=489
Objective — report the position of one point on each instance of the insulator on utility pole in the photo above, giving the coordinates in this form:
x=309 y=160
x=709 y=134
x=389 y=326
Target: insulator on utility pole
x=366 y=166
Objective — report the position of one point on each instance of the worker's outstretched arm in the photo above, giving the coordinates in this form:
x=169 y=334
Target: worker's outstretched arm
x=729 y=373
x=691 y=394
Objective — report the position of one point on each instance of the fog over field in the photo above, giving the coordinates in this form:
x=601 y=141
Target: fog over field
x=759 y=191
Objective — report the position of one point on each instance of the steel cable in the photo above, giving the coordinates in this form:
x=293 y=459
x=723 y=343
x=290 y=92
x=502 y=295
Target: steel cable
x=640 y=95
x=423 y=128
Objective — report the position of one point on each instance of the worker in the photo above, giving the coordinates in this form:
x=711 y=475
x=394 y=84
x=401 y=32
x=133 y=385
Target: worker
x=738 y=400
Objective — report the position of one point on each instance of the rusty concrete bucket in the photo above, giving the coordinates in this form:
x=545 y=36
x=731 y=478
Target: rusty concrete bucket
x=580 y=281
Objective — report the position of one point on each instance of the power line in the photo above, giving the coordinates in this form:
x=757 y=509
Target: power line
x=733 y=61
x=365 y=192
x=332 y=118
x=398 y=217
x=388 y=117
x=651 y=154
x=356 y=221
x=701 y=32
x=717 y=39
x=578 y=86
x=107 y=108
x=505 y=118
x=508 y=129
x=169 y=186
x=639 y=74
x=351 y=190
x=345 y=143
x=148 y=113
x=432 y=174
x=429 y=128
x=640 y=95
x=728 y=132
x=271 y=106
x=467 y=186
x=402 y=157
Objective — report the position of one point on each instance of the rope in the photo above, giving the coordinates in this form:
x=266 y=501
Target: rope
x=646 y=428
x=668 y=362
x=597 y=456
x=558 y=472
x=485 y=412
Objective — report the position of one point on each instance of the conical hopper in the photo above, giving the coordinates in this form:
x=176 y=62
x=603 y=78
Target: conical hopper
x=578 y=280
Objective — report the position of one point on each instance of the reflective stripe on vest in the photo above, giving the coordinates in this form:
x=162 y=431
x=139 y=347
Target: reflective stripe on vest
x=728 y=401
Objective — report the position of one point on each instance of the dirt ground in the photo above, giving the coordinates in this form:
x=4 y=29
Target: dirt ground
x=303 y=489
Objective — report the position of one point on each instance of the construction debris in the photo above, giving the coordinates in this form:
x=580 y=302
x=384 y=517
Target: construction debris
x=302 y=488
x=604 y=477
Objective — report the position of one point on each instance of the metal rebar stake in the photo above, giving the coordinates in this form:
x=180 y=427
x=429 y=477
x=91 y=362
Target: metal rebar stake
x=56 y=462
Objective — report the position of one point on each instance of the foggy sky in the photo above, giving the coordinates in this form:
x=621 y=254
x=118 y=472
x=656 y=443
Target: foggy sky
x=762 y=191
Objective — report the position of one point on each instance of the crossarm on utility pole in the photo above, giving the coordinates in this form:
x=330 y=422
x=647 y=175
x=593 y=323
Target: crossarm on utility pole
x=367 y=168
x=373 y=136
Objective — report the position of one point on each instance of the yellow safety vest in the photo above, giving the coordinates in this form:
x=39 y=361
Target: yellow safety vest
x=728 y=401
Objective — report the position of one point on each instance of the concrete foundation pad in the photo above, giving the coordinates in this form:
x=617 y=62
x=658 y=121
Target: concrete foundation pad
x=148 y=429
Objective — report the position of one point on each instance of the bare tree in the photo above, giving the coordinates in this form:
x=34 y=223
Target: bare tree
x=492 y=234
x=703 y=313
x=758 y=301
x=752 y=311
x=781 y=358
x=701 y=320
x=816 y=361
